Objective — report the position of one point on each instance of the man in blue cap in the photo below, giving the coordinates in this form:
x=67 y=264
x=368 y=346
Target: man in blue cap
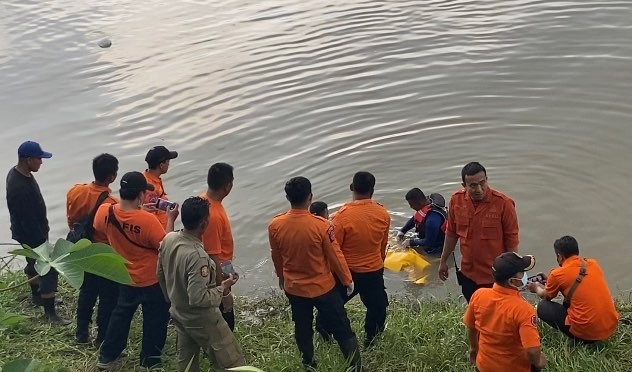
x=29 y=225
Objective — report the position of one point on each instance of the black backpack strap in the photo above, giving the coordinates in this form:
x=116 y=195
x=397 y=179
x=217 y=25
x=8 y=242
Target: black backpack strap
x=578 y=280
x=112 y=220
x=104 y=195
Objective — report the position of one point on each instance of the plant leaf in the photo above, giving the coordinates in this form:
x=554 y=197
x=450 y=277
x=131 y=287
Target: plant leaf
x=107 y=265
x=8 y=320
x=246 y=369
x=20 y=365
x=71 y=272
x=42 y=267
x=61 y=248
x=81 y=244
x=26 y=253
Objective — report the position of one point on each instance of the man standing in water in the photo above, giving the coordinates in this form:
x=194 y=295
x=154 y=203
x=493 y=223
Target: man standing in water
x=484 y=221
x=29 y=225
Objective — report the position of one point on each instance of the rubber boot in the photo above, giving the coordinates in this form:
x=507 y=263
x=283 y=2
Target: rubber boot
x=351 y=350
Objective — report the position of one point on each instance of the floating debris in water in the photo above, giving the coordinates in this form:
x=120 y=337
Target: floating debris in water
x=105 y=43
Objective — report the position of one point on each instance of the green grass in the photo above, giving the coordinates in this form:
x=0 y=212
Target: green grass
x=420 y=336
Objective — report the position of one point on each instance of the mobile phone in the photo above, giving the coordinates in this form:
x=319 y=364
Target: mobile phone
x=536 y=278
x=163 y=204
x=227 y=268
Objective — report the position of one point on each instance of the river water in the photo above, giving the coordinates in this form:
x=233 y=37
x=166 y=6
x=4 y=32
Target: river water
x=538 y=91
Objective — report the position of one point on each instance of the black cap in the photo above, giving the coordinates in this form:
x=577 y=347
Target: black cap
x=509 y=264
x=135 y=181
x=158 y=154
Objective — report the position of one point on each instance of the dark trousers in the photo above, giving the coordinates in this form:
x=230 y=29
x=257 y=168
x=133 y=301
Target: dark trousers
x=46 y=284
x=107 y=292
x=370 y=287
x=554 y=314
x=229 y=317
x=331 y=308
x=468 y=286
x=155 y=320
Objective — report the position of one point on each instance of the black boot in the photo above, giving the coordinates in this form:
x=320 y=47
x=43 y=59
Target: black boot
x=35 y=295
x=50 y=313
x=351 y=350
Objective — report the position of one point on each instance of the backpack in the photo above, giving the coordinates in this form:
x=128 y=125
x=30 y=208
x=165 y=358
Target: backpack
x=82 y=229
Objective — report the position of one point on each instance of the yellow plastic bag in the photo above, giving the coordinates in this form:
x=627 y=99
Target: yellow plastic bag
x=407 y=260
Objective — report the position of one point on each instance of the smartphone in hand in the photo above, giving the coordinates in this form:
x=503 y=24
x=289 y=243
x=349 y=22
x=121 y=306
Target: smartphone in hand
x=163 y=204
x=537 y=278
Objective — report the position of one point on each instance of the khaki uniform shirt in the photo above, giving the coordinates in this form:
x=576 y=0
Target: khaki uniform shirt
x=187 y=279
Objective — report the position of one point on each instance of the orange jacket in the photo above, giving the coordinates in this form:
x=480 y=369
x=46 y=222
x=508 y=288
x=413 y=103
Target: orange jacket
x=592 y=314
x=362 y=229
x=80 y=200
x=305 y=253
x=142 y=228
x=218 y=237
x=485 y=231
x=158 y=193
x=507 y=325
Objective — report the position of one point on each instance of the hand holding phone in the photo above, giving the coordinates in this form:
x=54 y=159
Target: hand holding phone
x=164 y=204
x=539 y=278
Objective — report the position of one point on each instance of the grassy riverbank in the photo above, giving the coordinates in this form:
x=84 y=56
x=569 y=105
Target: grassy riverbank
x=421 y=336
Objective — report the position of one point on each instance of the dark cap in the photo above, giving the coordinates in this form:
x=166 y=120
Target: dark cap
x=158 y=154
x=135 y=181
x=437 y=200
x=30 y=149
x=509 y=264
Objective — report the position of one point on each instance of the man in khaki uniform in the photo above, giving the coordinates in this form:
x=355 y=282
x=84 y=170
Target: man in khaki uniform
x=187 y=278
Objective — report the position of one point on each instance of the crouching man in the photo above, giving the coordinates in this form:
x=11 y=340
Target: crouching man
x=187 y=278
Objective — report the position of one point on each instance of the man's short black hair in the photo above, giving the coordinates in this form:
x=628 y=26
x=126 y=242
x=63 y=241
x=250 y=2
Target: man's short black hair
x=194 y=212
x=566 y=246
x=219 y=175
x=318 y=208
x=104 y=166
x=363 y=183
x=416 y=195
x=298 y=190
x=471 y=169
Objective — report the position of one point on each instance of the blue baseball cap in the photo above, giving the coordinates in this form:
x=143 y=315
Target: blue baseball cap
x=31 y=149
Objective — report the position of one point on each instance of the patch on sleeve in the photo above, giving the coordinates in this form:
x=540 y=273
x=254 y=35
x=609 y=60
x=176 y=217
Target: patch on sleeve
x=534 y=321
x=331 y=232
x=204 y=271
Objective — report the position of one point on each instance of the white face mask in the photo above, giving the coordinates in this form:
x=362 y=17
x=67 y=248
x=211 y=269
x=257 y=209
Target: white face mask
x=524 y=280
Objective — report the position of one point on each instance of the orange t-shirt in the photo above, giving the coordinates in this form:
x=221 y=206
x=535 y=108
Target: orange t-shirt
x=80 y=200
x=218 y=237
x=592 y=315
x=485 y=231
x=142 y=228
x=305 y=253
x=507 y=325
x=158 y=193
x=362 y=228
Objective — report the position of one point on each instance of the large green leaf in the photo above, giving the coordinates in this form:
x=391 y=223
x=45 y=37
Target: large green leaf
x=81 y=244
x=62 y=247
x=8 y=320
x=72 y=260
x=20 y=365
x=26 y=253
x=246 y=369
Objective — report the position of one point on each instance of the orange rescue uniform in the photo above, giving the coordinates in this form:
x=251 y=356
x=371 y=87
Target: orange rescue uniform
x=158 y=193
x=592 y=315
x=218 y=236
x=485 y=229
x=80 y=200
x=362 y=228
x=142 y=228
x=507 y=325
x=305 y=253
